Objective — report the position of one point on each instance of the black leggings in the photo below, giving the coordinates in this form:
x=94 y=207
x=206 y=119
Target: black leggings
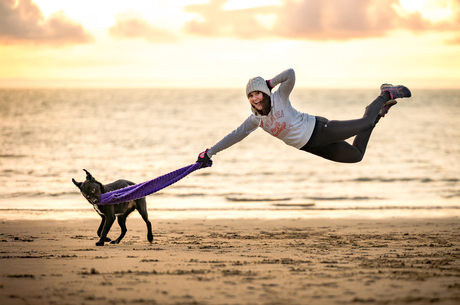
x=328 y=138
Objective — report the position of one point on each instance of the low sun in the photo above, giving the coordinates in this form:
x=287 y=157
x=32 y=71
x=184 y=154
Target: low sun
x=434 y=10
x=412 y=5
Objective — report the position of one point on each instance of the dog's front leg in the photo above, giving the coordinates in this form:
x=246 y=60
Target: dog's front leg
x=109 y=220
x=101 y=226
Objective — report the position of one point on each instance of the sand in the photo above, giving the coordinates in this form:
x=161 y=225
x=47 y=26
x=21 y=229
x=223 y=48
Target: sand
x=242 y=261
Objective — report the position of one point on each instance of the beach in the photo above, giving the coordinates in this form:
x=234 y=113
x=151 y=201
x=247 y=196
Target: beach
x=233 y=261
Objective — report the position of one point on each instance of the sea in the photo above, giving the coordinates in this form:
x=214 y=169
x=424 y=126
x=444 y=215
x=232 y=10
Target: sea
x=48 y=136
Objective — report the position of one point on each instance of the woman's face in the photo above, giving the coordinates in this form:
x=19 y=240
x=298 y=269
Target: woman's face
x=255 y=99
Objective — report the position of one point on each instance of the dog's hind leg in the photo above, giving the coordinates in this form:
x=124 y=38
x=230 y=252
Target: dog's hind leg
x=122 y=222
x=141 y=205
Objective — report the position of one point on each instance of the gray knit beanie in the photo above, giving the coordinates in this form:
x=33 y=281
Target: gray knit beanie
x=257 y=84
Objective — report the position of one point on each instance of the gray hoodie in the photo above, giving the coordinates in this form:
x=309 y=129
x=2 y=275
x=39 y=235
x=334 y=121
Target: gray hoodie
x=283 y=122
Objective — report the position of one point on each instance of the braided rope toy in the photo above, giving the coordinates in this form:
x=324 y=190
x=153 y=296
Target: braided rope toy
x=140 y=190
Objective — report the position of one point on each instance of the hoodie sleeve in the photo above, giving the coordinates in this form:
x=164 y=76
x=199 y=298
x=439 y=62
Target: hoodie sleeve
x=248 y=126
x=286 y=80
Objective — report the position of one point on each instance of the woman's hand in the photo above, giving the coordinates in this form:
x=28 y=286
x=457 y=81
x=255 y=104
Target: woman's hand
x=203 y=158
x=269 y=85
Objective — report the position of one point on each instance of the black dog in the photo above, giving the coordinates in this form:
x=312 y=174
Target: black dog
x=91 y=189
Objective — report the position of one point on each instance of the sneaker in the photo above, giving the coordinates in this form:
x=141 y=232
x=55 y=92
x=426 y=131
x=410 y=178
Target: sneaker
x=385 y=109
x=398 y=91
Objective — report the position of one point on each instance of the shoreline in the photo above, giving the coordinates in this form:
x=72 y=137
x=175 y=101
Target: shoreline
x=78 y=208
x=188 y=214
x=233 y=261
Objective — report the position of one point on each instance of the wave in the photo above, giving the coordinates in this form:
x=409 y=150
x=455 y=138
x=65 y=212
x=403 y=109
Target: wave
x=403 y=179
x=37 y=194
x=232 y=197
x=230 y=175
x=247 y=198
x=271 y=199
x=255 y=199
x=12 y=156
x=357 y=198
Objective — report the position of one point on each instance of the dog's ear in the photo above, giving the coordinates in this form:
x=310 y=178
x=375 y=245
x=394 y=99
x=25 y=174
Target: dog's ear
x=89 y=177
x=78 y=184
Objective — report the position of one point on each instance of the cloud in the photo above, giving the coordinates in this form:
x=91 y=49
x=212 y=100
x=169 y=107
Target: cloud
x=214 y=21
x=310 y=20
x=454 y=41
x=128 y=25
x=335 y=19
x=22 y=21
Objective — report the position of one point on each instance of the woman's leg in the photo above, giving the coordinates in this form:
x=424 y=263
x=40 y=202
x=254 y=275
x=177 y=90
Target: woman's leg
x=331 y=144
x=343 y=151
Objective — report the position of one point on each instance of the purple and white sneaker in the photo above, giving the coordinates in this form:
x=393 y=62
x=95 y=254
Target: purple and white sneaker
x=398 y=91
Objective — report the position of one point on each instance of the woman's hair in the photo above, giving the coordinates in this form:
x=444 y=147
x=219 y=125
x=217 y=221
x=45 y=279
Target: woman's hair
x=266 y=105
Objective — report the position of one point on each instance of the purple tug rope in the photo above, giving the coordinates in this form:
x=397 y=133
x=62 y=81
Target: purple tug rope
x=140 y=190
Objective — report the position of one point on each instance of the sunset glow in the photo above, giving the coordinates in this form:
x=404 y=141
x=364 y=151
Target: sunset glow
x=429 y=9
x=222 y=43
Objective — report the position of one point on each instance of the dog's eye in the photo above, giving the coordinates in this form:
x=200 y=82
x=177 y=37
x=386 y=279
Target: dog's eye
x=93 y=191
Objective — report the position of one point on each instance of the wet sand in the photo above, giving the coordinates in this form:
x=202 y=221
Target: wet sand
x=242 y=261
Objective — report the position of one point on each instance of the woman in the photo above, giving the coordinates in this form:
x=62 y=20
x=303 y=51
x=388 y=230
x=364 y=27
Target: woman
x=274 y=113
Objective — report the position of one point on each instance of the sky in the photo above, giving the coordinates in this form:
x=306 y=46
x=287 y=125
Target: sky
x=223 y=43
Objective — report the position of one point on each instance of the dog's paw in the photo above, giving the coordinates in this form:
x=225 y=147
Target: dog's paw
x=107 y=239
x=100 y=243
x=150 y=237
